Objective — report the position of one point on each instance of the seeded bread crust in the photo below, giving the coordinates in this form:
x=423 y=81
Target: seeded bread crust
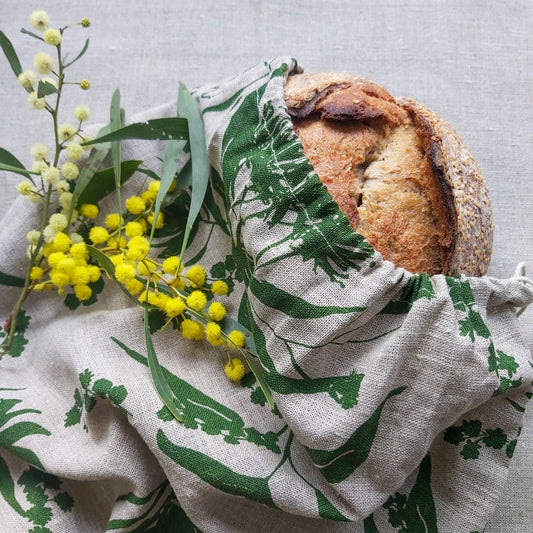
x=401 y=174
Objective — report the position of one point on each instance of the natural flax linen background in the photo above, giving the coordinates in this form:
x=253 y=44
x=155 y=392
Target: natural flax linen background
x=468 y=61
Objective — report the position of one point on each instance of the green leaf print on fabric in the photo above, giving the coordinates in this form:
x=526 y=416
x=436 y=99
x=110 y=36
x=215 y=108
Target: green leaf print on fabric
x=416 y=512
x=215 y=473
x=285 y=191
x=338 y=464
x=471 y=437
x=417 y=287
x=157 y=512
x=13 y=433
x=505 y=368
x=85 y=398
x=344 y=390
x=19 y=340
x=200 y=411
x=472 y=324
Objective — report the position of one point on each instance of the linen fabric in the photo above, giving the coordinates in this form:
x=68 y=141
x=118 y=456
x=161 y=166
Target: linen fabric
x=399 y=397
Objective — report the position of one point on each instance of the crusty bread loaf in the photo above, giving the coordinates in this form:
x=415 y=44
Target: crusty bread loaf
x=402 y=176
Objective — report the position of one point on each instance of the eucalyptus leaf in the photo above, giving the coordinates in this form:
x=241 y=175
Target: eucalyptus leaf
x=171 y=161
x=116 y=122
x=31 y=34
x=158 y=377
x=11 y=281
x=88 y=171
x=10 y=54
x=155 y=129
x=17 y=170
x=83 y=50
x=188 y=108
x=45 y=88
x=103 y=182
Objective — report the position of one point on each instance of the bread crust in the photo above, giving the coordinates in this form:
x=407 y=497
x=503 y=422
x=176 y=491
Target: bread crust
x=448 y=227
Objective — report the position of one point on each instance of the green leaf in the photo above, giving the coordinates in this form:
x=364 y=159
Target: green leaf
x=116 y=122
x=83 y=50
x=161 y=385
x=88 y=171
x=188 y=108
x=155 y=129
x=495 y=438
x=103 y=182
x=10 y=54
x=171 y=161
x=85 y=378
x=7 y=488
x=102 y=387
x=117 y=394
x=73 y=416
x=64 y=501
x=338 y=464
x=470 y=450
x=17 y=431
x=11 y=281
x=31 y=34
x=45 y=88
x=11 y=163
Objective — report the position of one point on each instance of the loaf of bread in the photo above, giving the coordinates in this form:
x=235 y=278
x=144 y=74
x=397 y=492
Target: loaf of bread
x=401 y=174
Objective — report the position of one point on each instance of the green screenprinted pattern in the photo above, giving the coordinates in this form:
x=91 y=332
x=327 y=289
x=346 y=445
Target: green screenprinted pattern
x=341 y=397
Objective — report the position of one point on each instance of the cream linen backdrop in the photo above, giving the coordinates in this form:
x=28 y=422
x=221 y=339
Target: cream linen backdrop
x=469 y=61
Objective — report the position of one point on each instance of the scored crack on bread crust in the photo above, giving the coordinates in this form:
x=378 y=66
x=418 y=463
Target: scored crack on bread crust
x=402 y=176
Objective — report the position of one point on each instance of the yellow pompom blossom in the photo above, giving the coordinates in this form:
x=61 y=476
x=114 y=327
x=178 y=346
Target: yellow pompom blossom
x=50 y=175
x=52 y=36
x=81 y=113
x=172 y=264
x=235 y=369
x=37 y=103
x=39 y=151
x=27 y=78
x=33 y=236
x=236 y=339
x=58 y=221
x=145 y=268
x=135 y=205
x=25 y=188
x=98 y=235
x=191 y=329
x=154 y=186
x=220 y=288
x=89 y=211
x=74 y=151
x=213 y=334
x=138 y=248
x=134 y=286
x=70 y=171
x=59 y=278
x=133 y=229
x=80 y=275
x=217 y=311
x=83 y=292
x=61 y=242
x=65 y=198
x=197 y=300
x=113 y=221
x=36 y=273
x=124 y=272
x=38 y=166
x=43 y=62
x=174 y=307
x=78 y=250
x=196 y=275
x=85 y=85
x=66 y=131
x=40 y=19
x=85 y=22
x=159 y=223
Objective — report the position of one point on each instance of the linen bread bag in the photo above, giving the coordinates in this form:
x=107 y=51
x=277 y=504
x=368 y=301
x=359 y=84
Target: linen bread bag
x=399 y=395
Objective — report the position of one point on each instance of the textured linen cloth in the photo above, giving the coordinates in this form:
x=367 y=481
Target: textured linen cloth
x=399 y=398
